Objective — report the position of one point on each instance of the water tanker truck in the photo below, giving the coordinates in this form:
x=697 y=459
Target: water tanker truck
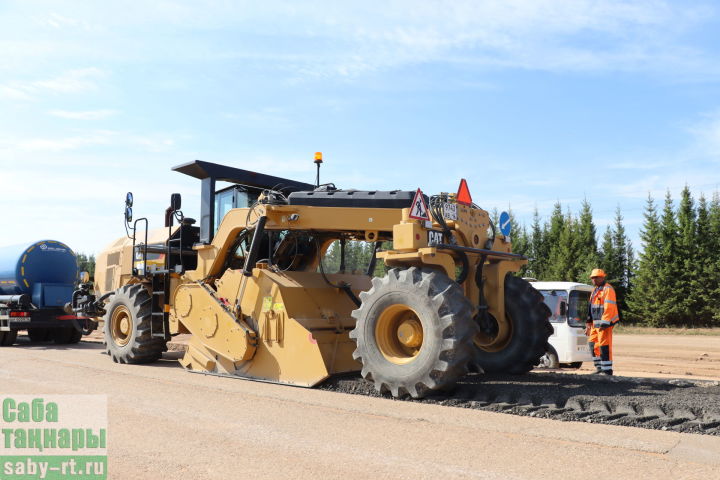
x=37 y=287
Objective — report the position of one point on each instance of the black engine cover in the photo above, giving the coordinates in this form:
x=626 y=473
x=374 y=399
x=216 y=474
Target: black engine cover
x=354 y=199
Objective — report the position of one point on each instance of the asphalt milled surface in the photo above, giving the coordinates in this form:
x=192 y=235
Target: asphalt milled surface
x=677 y=405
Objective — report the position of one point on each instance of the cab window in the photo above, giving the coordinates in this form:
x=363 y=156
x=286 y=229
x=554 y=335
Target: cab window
x=578 y=308
x=553 y=299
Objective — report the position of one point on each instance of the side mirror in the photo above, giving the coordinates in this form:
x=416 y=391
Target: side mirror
x=175 y=201
x=563 y=309
x=128 y=214
x=129 y=199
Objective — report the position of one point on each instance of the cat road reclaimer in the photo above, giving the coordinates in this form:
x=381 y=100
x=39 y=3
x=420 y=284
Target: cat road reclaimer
x=250 y=286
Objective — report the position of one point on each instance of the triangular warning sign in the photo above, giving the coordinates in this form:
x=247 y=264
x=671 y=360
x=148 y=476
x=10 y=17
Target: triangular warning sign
x=419 y=210
x=463 y=196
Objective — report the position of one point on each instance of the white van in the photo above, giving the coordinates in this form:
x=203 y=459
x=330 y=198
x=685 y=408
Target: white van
x=568 y=302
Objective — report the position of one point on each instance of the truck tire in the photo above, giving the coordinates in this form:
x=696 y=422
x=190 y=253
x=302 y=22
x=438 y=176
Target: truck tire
x=8 y=338
x=530 y=329
x=414 y=332
x=39 y=335
x=66 y=335
x=127 y=327
x=550 y=359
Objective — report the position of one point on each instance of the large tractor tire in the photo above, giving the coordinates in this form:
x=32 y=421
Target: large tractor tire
x=523 y=346
x=414 y=332
x=7 y=339
x=127 y=327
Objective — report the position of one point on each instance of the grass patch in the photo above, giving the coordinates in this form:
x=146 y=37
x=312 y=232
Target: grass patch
x=635 y=330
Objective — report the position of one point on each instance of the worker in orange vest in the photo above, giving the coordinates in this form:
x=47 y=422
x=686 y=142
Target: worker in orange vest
x=602 y=316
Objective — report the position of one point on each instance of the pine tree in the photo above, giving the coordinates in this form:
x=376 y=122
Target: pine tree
x=557 y=223
x=520 y=242
x=552 y=232
x=538 y=249
x=608 y=257
x=706 y=283
x=620 y=250
x=686 y=258
x=669 y=267
x=587 y=244
x=564 y=252
x=713 y=262
x=642 y=301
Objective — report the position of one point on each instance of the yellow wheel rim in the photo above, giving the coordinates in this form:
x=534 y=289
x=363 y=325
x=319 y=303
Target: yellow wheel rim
x=399 y=334
x=497 y=342
x=121 y=325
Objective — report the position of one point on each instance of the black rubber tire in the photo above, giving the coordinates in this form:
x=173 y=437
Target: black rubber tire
x=39 y=335
x=448 y=331
x=573 y=365
x=7 y=339
x=530 y=331
x=66 y=335
x=550 y=359
x=141 y=346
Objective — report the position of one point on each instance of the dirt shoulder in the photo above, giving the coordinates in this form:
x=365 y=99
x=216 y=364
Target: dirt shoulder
x=665 y=356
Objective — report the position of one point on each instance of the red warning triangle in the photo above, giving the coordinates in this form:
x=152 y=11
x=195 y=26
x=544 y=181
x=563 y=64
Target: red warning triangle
x=419 y=210
x=463 y=196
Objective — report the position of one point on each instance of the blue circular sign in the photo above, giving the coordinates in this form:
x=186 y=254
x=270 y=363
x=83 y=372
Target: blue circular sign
x=505 y=224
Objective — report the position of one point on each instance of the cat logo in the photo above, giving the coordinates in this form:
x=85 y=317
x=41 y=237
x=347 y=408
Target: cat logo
x=435 y=237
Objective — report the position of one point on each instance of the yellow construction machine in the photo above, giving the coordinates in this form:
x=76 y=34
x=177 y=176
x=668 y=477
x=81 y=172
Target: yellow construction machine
x=252 y=287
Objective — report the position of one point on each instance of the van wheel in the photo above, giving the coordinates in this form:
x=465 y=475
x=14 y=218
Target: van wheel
x=550 y=359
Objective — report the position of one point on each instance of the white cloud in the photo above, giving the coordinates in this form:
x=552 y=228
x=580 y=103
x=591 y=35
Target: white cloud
x=71 y=81
x=14 y=93
x=117 y=140
x=707 y=134
x=536 y=34
x=54 y=144
x=58 y=21
x=354 y=38
x=264 y=117
x=83 y=115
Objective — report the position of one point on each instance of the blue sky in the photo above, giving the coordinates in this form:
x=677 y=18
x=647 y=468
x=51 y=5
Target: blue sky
x=532 y=101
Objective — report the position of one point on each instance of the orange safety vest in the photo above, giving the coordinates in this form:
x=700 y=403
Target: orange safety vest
x=603 y=307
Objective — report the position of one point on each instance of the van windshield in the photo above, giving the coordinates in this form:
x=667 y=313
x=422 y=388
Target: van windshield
x=578 y=308
x=553 y=298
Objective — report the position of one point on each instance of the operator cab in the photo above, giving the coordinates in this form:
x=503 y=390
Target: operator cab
x=234 y=196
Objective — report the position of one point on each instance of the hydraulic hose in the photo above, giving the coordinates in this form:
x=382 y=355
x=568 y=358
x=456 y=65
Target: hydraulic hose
x=251 y=259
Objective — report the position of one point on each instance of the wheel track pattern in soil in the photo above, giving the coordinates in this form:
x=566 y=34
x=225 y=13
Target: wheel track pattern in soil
x=674 y=405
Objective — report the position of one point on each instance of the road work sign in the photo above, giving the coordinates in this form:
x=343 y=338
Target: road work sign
x=419 y=210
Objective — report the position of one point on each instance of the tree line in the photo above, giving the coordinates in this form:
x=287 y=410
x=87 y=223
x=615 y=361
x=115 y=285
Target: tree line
x=675 y=279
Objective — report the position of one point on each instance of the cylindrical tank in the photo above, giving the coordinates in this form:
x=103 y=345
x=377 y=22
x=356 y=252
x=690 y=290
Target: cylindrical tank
x=46 y=270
